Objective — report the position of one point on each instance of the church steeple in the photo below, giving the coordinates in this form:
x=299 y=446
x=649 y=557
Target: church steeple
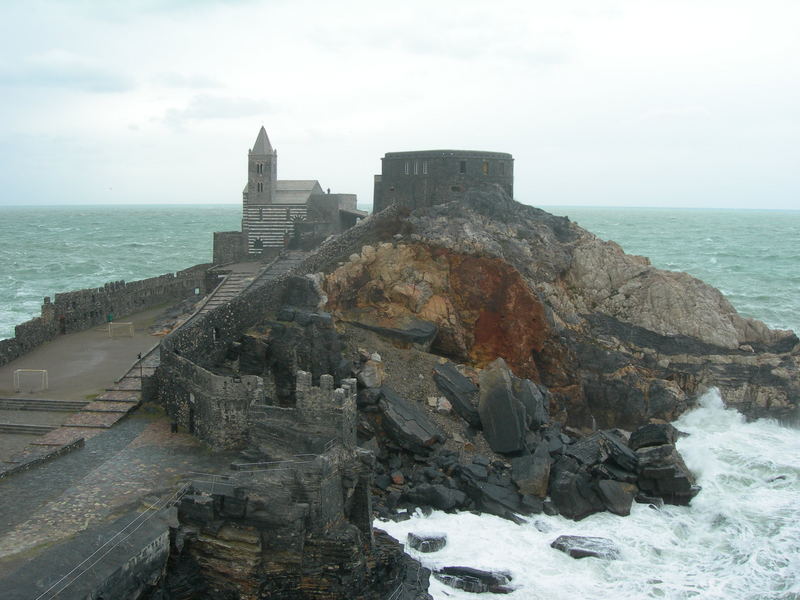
x=262 y=171
x=262 y=145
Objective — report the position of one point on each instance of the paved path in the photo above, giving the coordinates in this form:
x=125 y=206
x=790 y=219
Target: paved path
x=113 y=472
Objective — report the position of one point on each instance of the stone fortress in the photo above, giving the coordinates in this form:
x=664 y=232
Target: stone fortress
x=428 y=177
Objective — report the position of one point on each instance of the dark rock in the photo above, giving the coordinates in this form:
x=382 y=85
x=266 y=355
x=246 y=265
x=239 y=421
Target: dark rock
x=588 y=451
x=409 y=330
x=549 y=508
x=474 y=580
x=642 y=498
x=436 y=496
x=663 y=473
x=571 y=490
x=383 y=481
x=620 y=453
x=477 y=472
x=580 y=547
x=653 y=435
x=534 y=401
x=531 y=473
x=616 y=496
x=503 y=416
x=408 y=424
x=427 y=542
x=460 y=391
x=501 y=500
x=480 y=459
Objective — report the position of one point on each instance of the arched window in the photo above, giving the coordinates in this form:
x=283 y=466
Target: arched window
x=485 y=167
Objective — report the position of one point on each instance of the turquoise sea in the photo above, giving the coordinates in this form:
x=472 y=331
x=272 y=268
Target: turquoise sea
x=740 y=538
x=753 y=256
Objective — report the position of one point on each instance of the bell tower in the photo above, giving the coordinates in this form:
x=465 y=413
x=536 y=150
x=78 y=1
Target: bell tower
x=262 y=171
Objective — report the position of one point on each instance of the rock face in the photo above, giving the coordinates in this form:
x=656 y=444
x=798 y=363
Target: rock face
x=616 y=341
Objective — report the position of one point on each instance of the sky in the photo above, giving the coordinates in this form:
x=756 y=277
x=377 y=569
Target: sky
x=602 y=102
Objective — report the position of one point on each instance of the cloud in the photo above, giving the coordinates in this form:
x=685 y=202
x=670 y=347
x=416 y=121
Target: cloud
x=204 y=107
x=180 y=80
x=62 y=69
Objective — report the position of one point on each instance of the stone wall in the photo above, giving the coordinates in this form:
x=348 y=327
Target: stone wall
x=212 y=407
x=425 y=178
x=82 y=309
x=229 y=247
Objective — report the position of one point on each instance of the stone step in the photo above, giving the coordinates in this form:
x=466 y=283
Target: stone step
x=25 y=429
x=41 y=404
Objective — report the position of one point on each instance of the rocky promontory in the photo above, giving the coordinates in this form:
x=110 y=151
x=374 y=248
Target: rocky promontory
x=477 y=355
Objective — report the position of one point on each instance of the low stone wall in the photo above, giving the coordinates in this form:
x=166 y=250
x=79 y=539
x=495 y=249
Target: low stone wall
x=229 y=247
x=79 y=310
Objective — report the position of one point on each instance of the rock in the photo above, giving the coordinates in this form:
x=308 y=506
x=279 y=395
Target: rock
x=460 y=391
x=616 y=496
x=368 y=397
x=531 y=473
x=436 y=496
x=653 y=435
x=443 y=406
x=427 y=542
x=408 y=330
x=407 y=424
x=589 y=451
x=503 y=416
x=580 y=547
x=619 y=453
x=663 y=473
x=572 y=491
x=371 y=374
x=398 y=478
x=474 y=580
x=533 y=399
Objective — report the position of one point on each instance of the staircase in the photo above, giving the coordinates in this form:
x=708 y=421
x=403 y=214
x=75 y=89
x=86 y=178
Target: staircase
x=26 y=429
x=41 y=404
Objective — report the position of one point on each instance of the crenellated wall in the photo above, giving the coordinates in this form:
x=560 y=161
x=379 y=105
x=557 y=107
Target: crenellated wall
x=79 y=310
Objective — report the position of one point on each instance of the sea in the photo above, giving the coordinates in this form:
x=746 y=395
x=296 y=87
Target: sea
x=739 y=539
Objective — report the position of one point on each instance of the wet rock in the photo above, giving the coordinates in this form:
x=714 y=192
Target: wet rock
x=533 y=397
x=473 y=580
x=407 y=424
x=368 y=397
x=663 y=473
x=581 y=547
x=572 y=491
x=427 y=542
x=460 y=391
x=620 y=453
x=503 y=416
x=589 y=451
x=653 y=435
x=616 y=496
x=531 y=473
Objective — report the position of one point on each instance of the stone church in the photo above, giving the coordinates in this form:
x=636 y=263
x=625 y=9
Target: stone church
x=279 y=213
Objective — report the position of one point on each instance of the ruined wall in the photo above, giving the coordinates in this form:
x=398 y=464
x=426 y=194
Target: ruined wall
x=82 y=309
x=212 y=407
x=229 y=247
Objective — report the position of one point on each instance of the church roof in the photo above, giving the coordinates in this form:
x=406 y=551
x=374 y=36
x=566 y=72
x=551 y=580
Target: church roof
x=295 y=191
x=262 y=145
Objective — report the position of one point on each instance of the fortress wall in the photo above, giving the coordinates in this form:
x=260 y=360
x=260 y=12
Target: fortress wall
x=79 y=310
x=229 y=247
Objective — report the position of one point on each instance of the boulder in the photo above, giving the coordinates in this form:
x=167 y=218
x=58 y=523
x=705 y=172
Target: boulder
x=371 y=374
x=531 y=473
x=578 y=546
x=503 y=416
x=407 y=424
x=616 y=496
x=653 y=435
x=427 y=542
x=460 y=391
x=619 y=453
x=436 y=496
x=588 y=451
x=534 y=400
x=473 y=580
x=572 y=491
x=406 y=330
x=663 y=473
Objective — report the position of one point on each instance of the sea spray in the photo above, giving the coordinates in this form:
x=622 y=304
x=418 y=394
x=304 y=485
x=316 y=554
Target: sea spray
x=739 y=539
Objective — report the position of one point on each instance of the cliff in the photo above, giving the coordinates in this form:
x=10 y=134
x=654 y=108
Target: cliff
x=617 y=341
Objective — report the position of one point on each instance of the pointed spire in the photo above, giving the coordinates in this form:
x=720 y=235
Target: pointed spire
x=262 y=145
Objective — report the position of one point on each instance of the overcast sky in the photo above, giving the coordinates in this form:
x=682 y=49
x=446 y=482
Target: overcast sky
x=639 y=103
